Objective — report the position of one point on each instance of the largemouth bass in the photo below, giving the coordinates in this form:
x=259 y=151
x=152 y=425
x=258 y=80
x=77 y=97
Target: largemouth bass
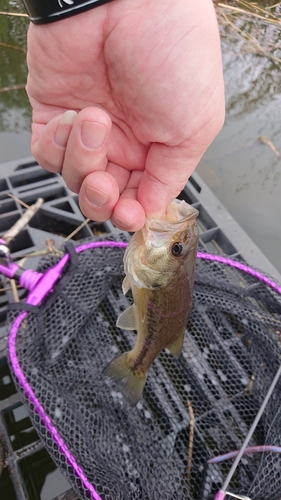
x=159 y=264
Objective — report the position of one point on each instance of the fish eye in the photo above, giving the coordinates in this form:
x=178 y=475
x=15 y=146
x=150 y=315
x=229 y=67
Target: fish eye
x=177 y=249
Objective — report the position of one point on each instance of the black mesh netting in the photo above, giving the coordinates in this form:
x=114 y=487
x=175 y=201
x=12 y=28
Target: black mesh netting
x=192 y=409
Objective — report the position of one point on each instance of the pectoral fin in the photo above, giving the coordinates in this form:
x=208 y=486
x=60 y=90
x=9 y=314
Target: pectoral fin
x=143 y=304
x=128 y=319
x=176 y=348
x=126 y=285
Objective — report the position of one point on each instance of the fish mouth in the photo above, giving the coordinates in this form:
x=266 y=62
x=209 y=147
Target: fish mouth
x=179 y=214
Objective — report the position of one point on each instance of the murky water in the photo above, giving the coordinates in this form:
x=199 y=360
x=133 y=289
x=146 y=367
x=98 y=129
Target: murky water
x=244 y=173
x=15 y=112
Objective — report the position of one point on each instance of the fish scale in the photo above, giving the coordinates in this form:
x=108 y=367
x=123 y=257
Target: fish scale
x=159 y=264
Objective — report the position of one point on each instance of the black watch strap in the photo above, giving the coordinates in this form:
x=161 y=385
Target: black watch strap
x=48 y=11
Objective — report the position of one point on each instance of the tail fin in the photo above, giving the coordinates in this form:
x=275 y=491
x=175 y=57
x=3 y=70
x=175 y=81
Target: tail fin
x=129 y=382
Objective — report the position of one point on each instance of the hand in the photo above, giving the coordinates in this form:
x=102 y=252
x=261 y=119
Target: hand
x=145 y=81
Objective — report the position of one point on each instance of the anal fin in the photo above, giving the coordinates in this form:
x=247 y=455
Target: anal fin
x=176 y=348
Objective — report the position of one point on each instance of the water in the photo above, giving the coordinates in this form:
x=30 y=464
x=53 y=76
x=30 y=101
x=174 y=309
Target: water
x=244 y=173
x=15 y=112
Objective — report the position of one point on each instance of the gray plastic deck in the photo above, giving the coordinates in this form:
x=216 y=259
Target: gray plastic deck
x=55 y=220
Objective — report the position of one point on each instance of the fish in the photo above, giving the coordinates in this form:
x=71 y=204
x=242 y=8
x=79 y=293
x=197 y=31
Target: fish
x=159 y=266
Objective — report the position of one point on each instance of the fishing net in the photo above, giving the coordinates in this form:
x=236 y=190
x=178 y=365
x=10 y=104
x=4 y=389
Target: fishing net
x=192 y=409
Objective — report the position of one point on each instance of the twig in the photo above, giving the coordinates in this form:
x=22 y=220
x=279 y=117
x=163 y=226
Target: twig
x=191 y=439
x=86 y=221
x=250 y=39
x=13 y=87
x=14 y=290
x=256 y=7
x=21 y=223
x=7 y=289
x=12 y=47
x=273 y=6
x=265 y=140
x=18 y=200
x=19 y=14
x=14 y=285
x=39 y=253
x=51 y=249
x=247 y=12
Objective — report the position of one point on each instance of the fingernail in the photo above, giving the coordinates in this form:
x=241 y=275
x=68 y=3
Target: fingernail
x=64 y=127
x=93 y=134
x=96 y=197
